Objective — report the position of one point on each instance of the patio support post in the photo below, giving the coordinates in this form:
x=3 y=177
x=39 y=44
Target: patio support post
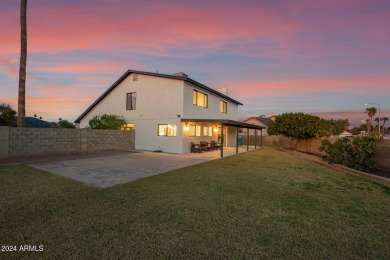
x=237 y=140
x=247 y=139
x=255 y=138
x=222 y=138
x=261 y=138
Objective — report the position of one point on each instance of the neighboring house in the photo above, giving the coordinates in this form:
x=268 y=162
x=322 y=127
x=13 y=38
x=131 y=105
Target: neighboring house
x=168 y=112
x=36 y=122
x=260 y=121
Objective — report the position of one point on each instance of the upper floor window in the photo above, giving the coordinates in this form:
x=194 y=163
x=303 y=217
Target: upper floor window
x=222 y=106
x=131 y=101
x=199 y=98
x=167 y=130
x=135 y=77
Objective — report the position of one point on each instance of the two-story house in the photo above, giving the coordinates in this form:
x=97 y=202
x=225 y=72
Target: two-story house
x=168 y=112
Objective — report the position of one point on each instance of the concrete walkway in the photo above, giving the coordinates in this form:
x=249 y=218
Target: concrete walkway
x=111 y=170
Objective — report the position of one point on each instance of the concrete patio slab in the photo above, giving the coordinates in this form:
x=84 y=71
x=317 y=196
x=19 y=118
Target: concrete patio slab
x=111 y=170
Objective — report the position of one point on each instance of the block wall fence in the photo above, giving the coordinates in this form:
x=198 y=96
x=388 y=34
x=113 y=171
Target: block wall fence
x=382 y=150
x=27 y=142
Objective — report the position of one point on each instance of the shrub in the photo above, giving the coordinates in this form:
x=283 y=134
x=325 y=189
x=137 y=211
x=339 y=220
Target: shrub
x=105 y=121
x=66 y=124
x=356 y=153
x=7 y=115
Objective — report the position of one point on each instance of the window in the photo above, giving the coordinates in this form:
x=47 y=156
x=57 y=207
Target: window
x=222 y=106
x=199 y=98
x=131 y=101
x=127 y=127
x=195 y=130
x=135 y=77
x=207 y=131
x=167 y=130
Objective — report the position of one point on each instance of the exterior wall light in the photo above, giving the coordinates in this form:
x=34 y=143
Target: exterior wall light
x=186 y=128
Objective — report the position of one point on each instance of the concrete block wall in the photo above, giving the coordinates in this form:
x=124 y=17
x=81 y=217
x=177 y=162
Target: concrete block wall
x=4 y=141
x=382 y=155
x=26 y=142
x=105 y=140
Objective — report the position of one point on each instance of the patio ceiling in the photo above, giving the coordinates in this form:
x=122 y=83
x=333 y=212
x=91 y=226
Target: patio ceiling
x=225 y=122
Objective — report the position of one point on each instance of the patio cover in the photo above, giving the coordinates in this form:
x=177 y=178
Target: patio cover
x=227 y=122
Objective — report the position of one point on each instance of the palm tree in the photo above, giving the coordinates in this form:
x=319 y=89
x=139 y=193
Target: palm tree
x=384 y=119
x=377 y=119
x=371 y=111
x=22 y=66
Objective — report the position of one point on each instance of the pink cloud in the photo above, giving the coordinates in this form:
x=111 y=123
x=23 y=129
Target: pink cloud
x=298 y=87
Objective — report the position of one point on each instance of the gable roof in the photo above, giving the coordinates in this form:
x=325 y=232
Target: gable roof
x=177 y=76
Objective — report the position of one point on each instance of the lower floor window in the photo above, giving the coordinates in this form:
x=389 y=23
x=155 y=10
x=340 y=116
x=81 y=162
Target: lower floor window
x=207 y=131
x=127 y=127
x=167 y=130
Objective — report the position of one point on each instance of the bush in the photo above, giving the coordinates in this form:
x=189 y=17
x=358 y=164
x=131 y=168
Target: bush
x=66 y=124
x=105 y=121
x=356 y=153
x=7 y=115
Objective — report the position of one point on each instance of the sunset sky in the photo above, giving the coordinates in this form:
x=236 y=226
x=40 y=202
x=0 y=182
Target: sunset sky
x=320 y=57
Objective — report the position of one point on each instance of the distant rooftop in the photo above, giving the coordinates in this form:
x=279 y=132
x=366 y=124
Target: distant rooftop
x=36 y=122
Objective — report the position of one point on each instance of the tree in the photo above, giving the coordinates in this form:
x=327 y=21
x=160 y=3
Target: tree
x=371 y=111
x=384 y=119
x=66 y=124
x=106 y=122
x=297 y=126
x=22 y=66
x=377 y=120
x=7 y=115
x=336 y=127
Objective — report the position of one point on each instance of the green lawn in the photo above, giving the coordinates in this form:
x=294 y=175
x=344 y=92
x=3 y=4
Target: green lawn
x=262 y=204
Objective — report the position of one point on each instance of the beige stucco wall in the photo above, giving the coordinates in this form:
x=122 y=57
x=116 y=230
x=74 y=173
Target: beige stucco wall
x=157 y=98
x=191 y=111
x=160 y=101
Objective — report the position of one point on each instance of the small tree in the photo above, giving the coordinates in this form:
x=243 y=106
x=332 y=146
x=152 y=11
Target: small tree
x=66 y=124
x=298 y=126
x=105 y=121
x=7 y=115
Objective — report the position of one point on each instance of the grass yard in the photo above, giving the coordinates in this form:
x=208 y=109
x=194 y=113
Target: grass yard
x=264 y=204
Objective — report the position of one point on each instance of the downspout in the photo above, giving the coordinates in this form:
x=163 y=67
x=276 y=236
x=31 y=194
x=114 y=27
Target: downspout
x=222 y=138
x=237 y=140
